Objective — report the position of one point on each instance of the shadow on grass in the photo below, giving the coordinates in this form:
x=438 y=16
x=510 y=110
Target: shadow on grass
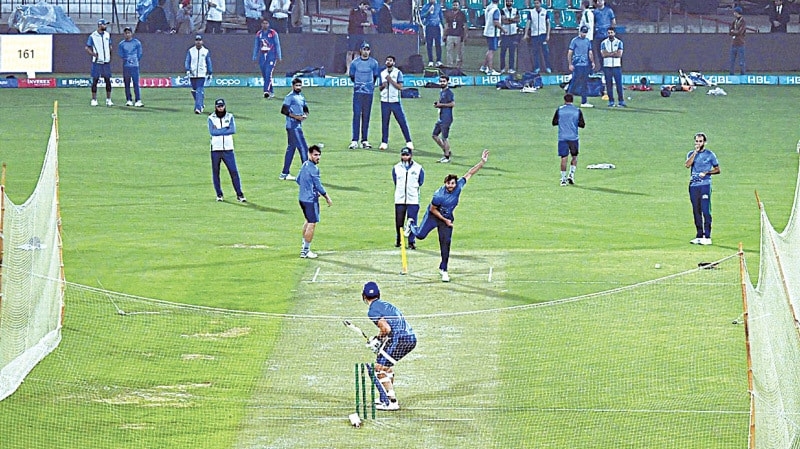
x=607 y=190
x=251 y=205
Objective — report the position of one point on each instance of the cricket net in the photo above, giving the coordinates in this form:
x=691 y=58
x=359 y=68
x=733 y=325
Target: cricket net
x=30 y=252
x=656 y=364
x=773 y=308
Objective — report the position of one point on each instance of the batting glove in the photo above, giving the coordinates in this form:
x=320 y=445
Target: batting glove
x=374 y=344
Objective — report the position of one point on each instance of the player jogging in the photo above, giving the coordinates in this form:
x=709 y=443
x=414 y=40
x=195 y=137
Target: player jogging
x=445 y=105
x=568 y=118
x=439 y=214
x=394 y=341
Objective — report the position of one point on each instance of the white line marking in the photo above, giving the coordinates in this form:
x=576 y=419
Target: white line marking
x=490 y=274
x=314 y=279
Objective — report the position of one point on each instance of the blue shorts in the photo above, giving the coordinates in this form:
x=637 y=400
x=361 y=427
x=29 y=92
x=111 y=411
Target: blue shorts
x=310 y=211
x=567 y=147
x=442 y=128
x=492 y=43
x=397 y=348
x=101 y=70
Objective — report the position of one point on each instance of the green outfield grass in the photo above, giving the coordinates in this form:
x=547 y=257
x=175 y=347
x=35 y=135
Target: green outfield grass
x=139 y=217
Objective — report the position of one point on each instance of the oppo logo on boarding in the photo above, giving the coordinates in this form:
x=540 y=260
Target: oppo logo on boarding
x=227 y=82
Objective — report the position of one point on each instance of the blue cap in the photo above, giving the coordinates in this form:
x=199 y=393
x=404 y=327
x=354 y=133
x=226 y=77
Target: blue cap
x=198 y=37
x=584 y=29
x=102 y=22
x=365 y=44
x=738 y=9
x=371 y=290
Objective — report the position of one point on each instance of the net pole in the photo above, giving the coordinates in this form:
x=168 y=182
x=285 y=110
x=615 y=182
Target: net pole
x=751 y=443
x=62 y=275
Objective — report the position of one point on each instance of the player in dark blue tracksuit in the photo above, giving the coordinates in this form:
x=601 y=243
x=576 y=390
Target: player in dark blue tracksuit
x=394 y=341
x=439 y=215
x=267 y=51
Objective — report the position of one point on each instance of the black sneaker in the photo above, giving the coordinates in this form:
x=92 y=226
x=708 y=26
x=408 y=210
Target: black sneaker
x=241 y=199
x=571 y=180
x=411 y=245
x=397 y=244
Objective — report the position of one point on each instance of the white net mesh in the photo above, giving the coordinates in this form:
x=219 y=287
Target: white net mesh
x=30 y=306
x=653 y=365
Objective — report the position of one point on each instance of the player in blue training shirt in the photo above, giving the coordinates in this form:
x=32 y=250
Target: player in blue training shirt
x=363 y=72
x=703 y=163
x=446 y=103
x=581 y=63
x=130 y=50
x=310 y=190
x=296 y=111
x=267 y=51
x=439 y=214
x=394 y=341
x=568 y=118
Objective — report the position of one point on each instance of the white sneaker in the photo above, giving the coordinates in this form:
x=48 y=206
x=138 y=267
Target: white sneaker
x=283 y=177
x=445 y=276
x=353 y=145
x=528 y=89
x=366 y=145
x=483 y=69
x=139 y=104
x=512 y=71
x=129 y=103
x=108 y=102
x=391 y=407
x=438 y=63
x=93 y=103
x=587 y=105
x=695 y=241
x=410 y=146
x=308 y=255
x=493 y=72
x=407 y=230
x=430 y=63
x=383 y=147
x=444 y=160
x=705 y=241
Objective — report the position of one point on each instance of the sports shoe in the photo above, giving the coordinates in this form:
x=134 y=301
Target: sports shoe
x=383 y=147
x=391 y=407
x=705 y=241
x=493 y=72
x=438 y=63
x=483 y=68
x=563 y=182
x=571 y=180
x=610 y=104
x=622 y=104
x=412 y=245
x=410 y=145
x=286 y=177
x=129 y=103
x=365 y=145
x=502 y=71
x=197 y=111
x=444 y=160
x=696 y=241
x=241 y=199
x=512 y=71
x=397 y=244
x=267 y=95
x=407 y=230
x=353 y=145
x=430 y=63
x=220 y=198
x=308 y=255
x=549 y=70
x=93 y=103
x=109 y=102
x=139 y=104
x=528 y=89
x=587 y=105
x=445 y=276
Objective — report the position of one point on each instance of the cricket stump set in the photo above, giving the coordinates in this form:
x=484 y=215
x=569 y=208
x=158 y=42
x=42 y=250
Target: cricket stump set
x=364 y=371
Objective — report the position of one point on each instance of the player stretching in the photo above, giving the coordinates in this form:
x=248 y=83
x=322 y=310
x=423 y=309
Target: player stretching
x=394 y=341
x=440 y=213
